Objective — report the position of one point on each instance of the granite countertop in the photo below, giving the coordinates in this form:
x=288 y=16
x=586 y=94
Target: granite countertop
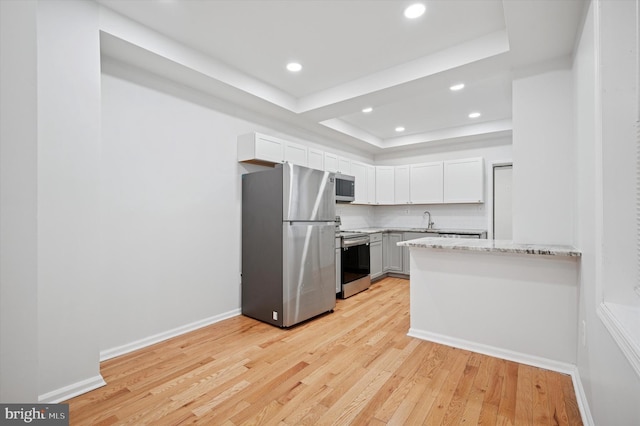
x=374 y=230
x=501 y=246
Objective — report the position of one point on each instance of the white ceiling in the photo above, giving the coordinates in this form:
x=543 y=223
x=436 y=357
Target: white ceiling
x=358 y=53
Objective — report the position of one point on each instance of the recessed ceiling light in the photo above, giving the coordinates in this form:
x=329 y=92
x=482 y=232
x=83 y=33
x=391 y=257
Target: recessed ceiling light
x=294 y=66
x=414 y=11
x=399 y=129
x=367 y=109
x=474 y=115
x=457 y=87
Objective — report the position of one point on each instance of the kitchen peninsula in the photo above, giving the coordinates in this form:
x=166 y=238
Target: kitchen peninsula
x=388 y=259
x=513 y=301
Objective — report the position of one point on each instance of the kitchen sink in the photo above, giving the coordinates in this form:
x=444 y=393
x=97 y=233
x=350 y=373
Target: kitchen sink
x=432 y=230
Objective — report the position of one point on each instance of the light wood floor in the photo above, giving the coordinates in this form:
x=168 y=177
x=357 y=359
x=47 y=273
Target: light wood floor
x=353 y=366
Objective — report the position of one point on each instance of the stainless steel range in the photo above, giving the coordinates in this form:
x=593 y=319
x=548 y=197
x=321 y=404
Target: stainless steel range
x=355 y=264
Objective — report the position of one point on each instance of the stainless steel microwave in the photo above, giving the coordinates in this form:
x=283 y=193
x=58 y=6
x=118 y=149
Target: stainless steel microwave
x=345 y=188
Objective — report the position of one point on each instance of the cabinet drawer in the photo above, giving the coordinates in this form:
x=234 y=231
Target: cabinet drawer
x=375 y=237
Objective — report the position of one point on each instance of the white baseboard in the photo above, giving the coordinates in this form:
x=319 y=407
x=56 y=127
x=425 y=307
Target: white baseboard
x=72 y=390
x=156 y=338
x=522 y=358
x=581 y=397
x=535 y=361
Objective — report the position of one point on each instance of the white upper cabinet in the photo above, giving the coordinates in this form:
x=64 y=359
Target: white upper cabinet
x=359 y=171
x=259 y=148
x=295 y=153
x=464 y=181
x=315 y=159
x=344 y=166
x=330 y=162
x=371 y=184
x=385 y=185
x=452 y=181
x=402 y=185
x=427 y=183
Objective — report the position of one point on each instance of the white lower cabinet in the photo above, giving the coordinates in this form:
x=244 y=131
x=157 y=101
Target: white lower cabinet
x=392 y=254
x=338 y=265
x=375 y=253
x=406 y=260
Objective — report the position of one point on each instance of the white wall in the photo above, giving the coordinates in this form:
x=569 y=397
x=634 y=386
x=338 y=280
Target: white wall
x=543 y=158
x=51 y=148
x=619 y=73
x=18 y=202
x=68 y=183
x=610 y=384
x=170 y=199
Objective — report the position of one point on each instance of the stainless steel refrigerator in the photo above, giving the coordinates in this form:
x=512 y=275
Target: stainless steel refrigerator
x=288 y=234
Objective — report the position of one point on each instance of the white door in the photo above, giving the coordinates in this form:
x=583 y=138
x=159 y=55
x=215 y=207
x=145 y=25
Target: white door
x=502 y=211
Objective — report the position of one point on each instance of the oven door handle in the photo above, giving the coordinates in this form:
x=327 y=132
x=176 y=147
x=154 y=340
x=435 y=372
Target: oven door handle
x=350 y=242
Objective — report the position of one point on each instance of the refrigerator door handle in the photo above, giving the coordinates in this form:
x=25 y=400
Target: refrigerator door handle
x=310 y=222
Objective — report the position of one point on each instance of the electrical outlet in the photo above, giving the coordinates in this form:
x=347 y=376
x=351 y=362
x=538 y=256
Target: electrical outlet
x=583 y=333
x=275 y=315
x=406 y=211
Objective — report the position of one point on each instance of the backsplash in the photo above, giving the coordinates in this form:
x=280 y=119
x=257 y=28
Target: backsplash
x=459 y=216
x=355 y=216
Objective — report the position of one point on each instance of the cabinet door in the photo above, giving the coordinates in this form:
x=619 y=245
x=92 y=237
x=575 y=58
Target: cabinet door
x=330 y=162
x=371 y=184
x=402 y=191
x=376 y=259
x=393 y=253
x=315 y=159
x=464 y=181
x=427 y=183
x=384 y=185
x=295 y=154
x=338 y=269
x=256 y=147
x=344 y=165
x=385 y=252
x=268 y=149
x=406 y=258
x=359 y=171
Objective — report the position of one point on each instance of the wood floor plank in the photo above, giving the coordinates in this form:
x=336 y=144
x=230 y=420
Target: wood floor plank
x=540 y=398
x=491 y=403
x=508 y=399
x=556 y=400
x=524 y=402
x=355 y=366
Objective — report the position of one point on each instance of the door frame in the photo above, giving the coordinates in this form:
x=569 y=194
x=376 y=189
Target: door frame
x=494 y=165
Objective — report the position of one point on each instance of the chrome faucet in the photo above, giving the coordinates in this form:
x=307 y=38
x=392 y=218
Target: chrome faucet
x=429 y=223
